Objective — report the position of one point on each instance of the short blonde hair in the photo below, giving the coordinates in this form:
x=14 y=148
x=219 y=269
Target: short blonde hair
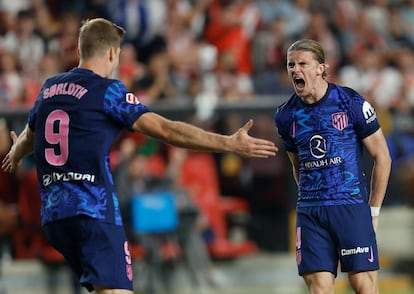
x=97 y=35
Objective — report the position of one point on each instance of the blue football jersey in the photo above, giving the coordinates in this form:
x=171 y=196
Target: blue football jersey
x=327 y=136
x=76 y=118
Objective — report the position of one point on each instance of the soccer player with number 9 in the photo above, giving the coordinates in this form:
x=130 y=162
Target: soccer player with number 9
x=71 y=127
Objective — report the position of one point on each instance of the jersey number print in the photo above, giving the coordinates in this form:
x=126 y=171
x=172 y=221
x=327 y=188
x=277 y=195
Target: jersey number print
x=57 y=133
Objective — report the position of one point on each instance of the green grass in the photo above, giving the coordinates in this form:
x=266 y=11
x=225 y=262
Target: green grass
x=382 y=292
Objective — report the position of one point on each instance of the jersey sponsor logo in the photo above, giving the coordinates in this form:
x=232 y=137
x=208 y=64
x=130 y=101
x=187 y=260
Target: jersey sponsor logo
x=131 y=99
x=340 y=120
x=317 y=146
x=70 y=89
x=323 y=162
x=318 y=149
x=369 y=112
x=356 y=250
x=66 y=177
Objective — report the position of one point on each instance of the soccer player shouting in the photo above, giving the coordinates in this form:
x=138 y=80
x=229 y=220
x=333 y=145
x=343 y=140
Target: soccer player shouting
x=325 y=128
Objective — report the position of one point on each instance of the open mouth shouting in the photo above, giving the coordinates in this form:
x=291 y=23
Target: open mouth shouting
x=299 y=84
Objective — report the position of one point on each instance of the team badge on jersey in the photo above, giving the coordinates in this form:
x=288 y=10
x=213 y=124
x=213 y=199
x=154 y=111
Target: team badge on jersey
x=340 y=120
x=132 y=99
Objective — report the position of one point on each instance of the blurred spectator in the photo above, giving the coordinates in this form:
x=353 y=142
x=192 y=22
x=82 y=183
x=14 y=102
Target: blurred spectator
x=344 y=17
x=68 y=41
x=192 y=58
x=397 y=30
x=144 y=21
x=401 y=139
x=156 y=83
x=8 y=192
x=319 y=29
x=404 y=60
x=230 y=27
x=188 y=53
x=296 y=14
x=49 y=65
x=129 y=69
x=273 y=9
x=60 y=7
x=133 y=171
x=271 y=45
x=299 y=18
x=272 y=82
x=268 y=195
x=269 y=51
x=13 y=7
x=233 y=85
x=6 y=24
x=360 y=37
x=407 y=11
x=11 y=83
x=231 y=167
x=48 y=28
x=204 y=274
x=371 y=75
x=23 y=41
x=377 y=13
x=192 y=12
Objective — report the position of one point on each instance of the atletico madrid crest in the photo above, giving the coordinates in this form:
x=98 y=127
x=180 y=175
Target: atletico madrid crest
x=340 y=120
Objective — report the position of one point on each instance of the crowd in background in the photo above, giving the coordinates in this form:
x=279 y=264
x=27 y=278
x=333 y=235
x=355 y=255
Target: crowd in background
x=204 y=52
x=172 y=46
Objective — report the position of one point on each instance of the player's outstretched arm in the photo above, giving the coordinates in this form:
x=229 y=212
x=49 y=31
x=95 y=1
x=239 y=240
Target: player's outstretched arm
x=188 y=136
x=22 y=146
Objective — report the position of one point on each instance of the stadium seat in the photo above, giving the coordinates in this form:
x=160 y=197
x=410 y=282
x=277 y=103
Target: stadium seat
x=199 y=176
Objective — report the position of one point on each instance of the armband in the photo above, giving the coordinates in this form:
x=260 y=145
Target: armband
x=375 y=210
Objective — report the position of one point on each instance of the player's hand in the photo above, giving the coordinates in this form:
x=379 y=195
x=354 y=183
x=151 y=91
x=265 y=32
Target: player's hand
x=248 y=146
x=9 y=164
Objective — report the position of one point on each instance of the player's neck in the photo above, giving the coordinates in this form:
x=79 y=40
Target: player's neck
x=317 y=93
x=97 y=66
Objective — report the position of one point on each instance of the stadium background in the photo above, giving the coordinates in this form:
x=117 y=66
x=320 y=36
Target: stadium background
x=217 y=64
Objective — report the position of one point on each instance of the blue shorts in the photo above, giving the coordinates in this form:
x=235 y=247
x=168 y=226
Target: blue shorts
x=326 y=235
x=97 y=251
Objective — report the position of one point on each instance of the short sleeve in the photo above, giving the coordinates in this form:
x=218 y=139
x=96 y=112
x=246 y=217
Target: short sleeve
x=283 y=127
x=364 y=117
x=122 y=105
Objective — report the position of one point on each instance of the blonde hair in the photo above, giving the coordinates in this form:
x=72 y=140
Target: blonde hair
x=97 y=35
x=311 y=46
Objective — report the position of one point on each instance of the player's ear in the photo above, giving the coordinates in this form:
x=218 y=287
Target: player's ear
x=321 y=68
x=111 y=53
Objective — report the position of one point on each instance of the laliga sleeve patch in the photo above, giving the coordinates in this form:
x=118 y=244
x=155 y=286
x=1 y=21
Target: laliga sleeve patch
x=132 y=99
